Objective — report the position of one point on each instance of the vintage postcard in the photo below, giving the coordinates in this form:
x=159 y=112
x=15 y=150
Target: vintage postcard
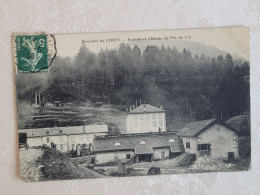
x=119 y=104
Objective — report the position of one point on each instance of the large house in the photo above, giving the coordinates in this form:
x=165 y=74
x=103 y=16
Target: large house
x=212 y=137
x=142 y=147
x=65 y=138
x=146 y=118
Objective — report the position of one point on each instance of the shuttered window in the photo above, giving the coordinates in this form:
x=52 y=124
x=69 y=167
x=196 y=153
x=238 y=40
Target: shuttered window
x=187 y=144
x=203 y=147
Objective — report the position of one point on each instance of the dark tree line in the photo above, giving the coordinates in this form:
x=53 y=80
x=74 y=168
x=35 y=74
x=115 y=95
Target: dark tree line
x=199 y=87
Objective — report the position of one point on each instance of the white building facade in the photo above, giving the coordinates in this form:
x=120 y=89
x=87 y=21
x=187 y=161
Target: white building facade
x=146 y=118
x=65 y=138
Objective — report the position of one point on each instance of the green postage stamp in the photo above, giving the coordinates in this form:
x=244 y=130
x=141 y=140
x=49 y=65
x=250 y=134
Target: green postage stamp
x=33 y=53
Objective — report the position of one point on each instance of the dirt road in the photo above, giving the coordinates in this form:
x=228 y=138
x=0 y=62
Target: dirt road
x=29 y=168
x=91 y=173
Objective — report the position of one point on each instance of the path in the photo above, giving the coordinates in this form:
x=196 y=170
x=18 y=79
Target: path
x=29 y=168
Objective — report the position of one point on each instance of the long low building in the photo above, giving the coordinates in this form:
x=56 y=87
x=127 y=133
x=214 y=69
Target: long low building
x=65 y=138
x=142 y=147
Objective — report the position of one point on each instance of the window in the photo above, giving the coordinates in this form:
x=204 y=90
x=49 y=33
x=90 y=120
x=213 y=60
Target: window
x=61 y=139
x=128 y=156
x=142 y=142
x=154 y=123
x=61 y=147
x=154 y=116
x=81 y=138
x=72 y=138
x=203 y=147
x=160 y=124
x=171 y=140
x=60 y=131
x=117 y=144
x=47 y=132
x=87 y=137
x=163 y=154
x=148 y=117
x=187 y=144
x=47 y=140
x=141 y=117
x=72 y=146
x=160 y=116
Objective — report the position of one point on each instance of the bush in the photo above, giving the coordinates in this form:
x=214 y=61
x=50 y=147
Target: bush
x=56 y=165
x=154 y=171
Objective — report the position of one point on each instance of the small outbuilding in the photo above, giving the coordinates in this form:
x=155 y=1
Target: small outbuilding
x=212 y=137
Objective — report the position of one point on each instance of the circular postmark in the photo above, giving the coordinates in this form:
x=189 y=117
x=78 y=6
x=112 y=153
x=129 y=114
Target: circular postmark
x=33 y=52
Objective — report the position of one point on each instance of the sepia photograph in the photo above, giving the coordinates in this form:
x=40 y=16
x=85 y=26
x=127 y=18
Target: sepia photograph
x=121 y=104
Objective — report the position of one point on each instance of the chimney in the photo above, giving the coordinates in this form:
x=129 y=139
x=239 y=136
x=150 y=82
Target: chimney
x=36 y=96
x=161 y=106
x=145 y=108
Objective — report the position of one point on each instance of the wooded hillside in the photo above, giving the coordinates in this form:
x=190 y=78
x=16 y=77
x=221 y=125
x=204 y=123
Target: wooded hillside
x=197 y=87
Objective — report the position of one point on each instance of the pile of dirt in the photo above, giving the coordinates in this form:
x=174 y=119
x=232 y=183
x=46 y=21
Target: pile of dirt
x=209 y=164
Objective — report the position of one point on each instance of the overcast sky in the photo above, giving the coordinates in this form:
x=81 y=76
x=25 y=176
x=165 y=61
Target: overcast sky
x=234 y=40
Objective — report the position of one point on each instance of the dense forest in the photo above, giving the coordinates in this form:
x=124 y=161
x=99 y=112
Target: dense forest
x=186 y=85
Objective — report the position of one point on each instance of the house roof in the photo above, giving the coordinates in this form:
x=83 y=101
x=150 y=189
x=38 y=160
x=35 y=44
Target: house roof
x=237 y=121
x=71 y=130
x=146 y=108
x=140 y=143
x=194 y=128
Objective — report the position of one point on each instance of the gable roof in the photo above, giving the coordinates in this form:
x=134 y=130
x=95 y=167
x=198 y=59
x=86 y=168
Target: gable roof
x=71 y=130
x=146 y=108
x=133 y=142
x=237 y=121
x=194 y=128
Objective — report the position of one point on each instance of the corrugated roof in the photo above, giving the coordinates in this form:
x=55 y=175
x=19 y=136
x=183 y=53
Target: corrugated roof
x=136 y=142
x=64 y=130
x=146 y=108
x=194 y=128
